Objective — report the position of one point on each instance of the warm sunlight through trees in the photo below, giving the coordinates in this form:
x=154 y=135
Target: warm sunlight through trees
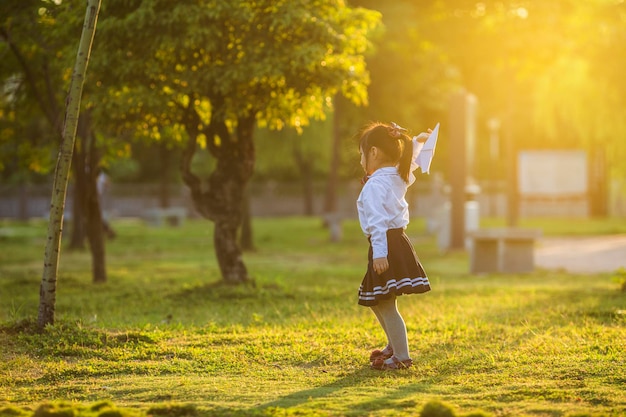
x=549 y=71
x=210 y=71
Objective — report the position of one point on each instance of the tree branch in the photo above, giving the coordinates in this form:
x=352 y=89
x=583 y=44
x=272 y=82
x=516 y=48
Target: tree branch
x=199 y=196
x=52 y=114
x=190 y=119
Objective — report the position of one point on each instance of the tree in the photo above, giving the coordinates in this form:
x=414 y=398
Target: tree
x=288 y=156
x=412 y=76
x=550 y=70
x=36 y=37
x=28 y=105
x=549 y=61
x=212 y=70
x=52 y=253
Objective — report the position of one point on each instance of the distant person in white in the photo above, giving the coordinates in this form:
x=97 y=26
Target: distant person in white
x=102 y=185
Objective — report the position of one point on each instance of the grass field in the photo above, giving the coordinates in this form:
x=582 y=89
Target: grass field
x=163 y=338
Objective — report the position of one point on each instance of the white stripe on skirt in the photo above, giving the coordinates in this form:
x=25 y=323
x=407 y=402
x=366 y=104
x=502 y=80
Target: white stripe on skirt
x=392 y=283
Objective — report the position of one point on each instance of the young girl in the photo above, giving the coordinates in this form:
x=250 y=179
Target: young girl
x=387 y=156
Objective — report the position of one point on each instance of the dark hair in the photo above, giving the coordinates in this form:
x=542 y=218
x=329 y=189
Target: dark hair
x=392 y=141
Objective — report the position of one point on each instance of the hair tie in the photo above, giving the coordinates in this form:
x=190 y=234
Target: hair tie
x=396 y=131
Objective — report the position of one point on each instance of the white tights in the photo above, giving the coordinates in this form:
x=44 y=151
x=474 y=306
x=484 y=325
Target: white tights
x=393 y=324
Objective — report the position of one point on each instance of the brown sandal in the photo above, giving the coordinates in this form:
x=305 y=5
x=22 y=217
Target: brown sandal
x=383 y=354
x=381 y=365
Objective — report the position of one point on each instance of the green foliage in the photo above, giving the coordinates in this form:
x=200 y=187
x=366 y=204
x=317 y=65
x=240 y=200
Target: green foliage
x=411 y=72
x=437 y=409
x=56 y=410
x=38 y=43
x=14 y=412
x=69 y=409
x=173 y=410
x=279 y=61
x=32 y=84
x=477 y=414
x=123 y=169
x=550 y=70
x=277 y=152
x=162 y=336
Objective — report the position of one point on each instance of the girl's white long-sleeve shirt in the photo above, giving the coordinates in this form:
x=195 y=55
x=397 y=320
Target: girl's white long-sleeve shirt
x=382 y=204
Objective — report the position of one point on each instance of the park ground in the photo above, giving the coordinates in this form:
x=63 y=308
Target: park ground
x=162 y=337
x=582 y=254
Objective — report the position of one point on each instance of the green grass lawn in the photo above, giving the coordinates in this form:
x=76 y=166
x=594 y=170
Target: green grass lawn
x=163 y=338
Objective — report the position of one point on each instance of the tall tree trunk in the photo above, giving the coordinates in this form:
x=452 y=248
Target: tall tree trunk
x=330 y=202
x=246 y=237
x=94 y=225
x=222 y=200
x=77 y=236
x=47 y=292
x=228 y=252
x=331 y=215
x=597 y=181
x=95 y=234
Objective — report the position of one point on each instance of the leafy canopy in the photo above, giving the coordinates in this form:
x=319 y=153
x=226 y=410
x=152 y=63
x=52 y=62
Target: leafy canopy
x=280 y=61
x=38 y=41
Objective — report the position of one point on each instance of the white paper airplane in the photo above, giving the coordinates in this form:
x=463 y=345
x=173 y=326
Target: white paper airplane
x=426 y=154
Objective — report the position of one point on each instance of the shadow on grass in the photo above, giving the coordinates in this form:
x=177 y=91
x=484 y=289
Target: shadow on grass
x=369 y=400
x=530 y=323
x=221 y=291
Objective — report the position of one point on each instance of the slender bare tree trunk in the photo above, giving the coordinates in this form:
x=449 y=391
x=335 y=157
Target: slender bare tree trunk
x=47 y=292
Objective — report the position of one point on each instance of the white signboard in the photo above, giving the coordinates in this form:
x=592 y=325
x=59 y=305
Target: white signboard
x=552 y=173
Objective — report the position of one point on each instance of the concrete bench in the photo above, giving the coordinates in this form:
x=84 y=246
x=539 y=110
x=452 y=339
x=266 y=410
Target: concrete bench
x=506 y=250
x=171 y=216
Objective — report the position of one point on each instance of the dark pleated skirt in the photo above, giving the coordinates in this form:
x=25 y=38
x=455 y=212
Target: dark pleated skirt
x=404 y=276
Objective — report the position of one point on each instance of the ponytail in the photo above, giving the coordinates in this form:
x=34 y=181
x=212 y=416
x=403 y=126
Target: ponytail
x=404 y=165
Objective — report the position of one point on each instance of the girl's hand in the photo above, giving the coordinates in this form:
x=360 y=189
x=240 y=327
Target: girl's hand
x=423 y=137
x=381 y=265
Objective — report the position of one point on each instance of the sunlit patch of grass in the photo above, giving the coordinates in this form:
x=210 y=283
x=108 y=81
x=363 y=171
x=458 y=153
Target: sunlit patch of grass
x=164 y=337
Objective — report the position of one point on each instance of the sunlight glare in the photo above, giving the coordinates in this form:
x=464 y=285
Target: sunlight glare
x=521 y=12
x=480 y=10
